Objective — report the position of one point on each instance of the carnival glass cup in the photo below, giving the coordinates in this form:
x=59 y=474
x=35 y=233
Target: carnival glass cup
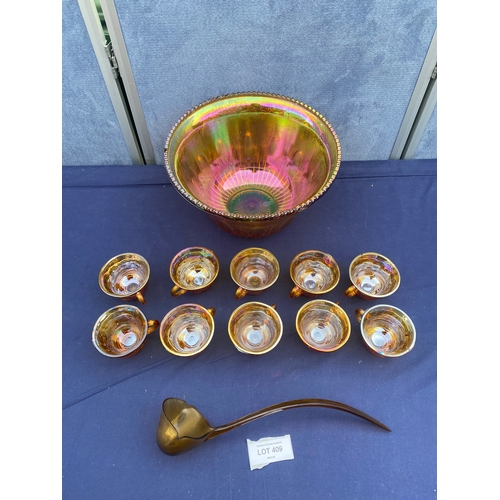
x=373 y=276
x=121 y=331
x=322 y=325
x=387 y=331
x=253 y=270
x=186 y=330
x=314 y=273
x=255 y=328
x=125 y=276
x=193 y=269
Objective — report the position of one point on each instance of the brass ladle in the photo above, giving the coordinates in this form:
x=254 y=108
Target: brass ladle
x=182 y=427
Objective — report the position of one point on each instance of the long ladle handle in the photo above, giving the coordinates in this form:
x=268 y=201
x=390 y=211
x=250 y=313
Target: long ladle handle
x=288 y=405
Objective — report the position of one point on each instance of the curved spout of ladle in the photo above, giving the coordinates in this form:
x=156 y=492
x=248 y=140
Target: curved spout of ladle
x=182 y=427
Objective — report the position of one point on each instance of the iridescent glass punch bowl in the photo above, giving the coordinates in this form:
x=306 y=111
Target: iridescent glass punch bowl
x=252 y=161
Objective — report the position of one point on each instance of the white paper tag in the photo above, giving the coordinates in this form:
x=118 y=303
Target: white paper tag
x=268 y=450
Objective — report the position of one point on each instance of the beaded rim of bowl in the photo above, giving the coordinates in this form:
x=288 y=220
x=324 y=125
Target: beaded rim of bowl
x=192 y=199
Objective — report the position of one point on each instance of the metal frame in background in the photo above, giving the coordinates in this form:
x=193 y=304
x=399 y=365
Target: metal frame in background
x=101 y=21
x=420 y=108
x=103 y=26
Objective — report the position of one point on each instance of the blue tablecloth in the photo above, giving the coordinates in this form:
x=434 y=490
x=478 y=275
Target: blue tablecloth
x=111 y=407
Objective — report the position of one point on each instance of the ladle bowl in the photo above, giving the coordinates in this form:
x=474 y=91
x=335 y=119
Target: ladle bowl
x=182 y=427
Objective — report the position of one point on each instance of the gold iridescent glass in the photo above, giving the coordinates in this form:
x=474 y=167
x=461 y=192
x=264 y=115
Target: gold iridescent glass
x=193 y=269
x=121 y=331
x=187 y=329
x=125 y=276
x=323 y=325
x=253 y=270
x=252 y=161
x=255 y=328
x=314 y=273
x=182 y=427
x=373 y=276
x=387 y=331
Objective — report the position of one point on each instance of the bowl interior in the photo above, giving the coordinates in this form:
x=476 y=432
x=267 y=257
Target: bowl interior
x=252 y=155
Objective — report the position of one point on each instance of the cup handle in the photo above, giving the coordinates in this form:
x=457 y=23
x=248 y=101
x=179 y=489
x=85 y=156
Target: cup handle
x=295 y=292
x=240 y=293
x=359 y=314
x=140 y=297
x=272 y=306
x=153 y=324
x=211 y=311
x=351 y=291
x=177 y=291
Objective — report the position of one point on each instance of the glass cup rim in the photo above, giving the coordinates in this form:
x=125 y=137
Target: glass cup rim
x=164 y=322
x=324 y=254
x=180 y=253
x=330 y=304
x=113 y=310
x=123 y=257
x=369 y=294
x=249 y=305
x=400 y=311
x=258 y=250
